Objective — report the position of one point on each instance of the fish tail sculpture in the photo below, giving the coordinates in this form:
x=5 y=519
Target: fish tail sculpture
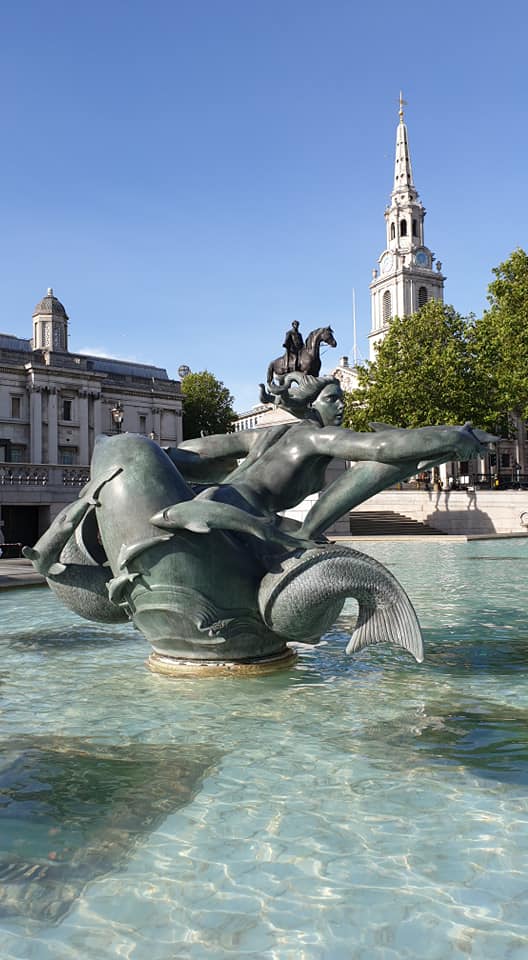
x=305 y=596
x=71 y=558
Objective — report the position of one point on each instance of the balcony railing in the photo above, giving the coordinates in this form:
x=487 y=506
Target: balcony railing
x=42 y=475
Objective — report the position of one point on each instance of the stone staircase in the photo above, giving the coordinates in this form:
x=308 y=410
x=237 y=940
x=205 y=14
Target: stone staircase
x=387 y=523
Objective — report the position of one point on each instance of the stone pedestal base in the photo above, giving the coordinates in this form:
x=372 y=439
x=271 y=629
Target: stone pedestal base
x=173 y=667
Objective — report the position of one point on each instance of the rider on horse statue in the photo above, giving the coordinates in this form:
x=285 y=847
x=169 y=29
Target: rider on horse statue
x=293 y=343
x=300 y=356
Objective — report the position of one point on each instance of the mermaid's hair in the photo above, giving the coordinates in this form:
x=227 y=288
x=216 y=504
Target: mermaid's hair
x=298 y=400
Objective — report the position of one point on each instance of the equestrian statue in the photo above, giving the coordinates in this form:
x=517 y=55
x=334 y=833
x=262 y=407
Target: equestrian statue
x=299 y=356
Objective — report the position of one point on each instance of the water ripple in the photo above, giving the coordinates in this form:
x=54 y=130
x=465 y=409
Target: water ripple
x=348 y=809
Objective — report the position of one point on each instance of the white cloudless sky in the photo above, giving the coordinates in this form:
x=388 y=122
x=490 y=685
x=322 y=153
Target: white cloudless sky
x=191 y=176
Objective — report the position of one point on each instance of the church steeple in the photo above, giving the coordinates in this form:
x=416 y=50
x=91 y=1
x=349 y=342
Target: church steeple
x=403 y=178
x=405 y=215
x=406 y=279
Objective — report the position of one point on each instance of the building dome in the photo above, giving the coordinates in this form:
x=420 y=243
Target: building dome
x=50 y=306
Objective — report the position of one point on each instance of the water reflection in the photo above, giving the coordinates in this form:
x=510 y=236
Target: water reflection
x=72 y=811
x=489 y=740
x=71 y=634
x=481 y=738
x=365 y=800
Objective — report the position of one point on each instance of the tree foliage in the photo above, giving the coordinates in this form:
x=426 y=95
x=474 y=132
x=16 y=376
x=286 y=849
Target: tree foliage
x=501 y=339
x=207 y=405
x=425 y=372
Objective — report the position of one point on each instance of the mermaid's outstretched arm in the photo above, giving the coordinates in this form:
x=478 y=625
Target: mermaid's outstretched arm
x=211 y=459
x=354 y=486
x=385 y=457
x=221 y=444
x=424 y=445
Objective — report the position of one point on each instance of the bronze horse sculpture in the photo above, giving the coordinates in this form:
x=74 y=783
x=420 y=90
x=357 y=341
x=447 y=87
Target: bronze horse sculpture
x=309 y=359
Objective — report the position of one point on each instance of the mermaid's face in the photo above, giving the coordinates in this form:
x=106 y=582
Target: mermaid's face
x=330 y=405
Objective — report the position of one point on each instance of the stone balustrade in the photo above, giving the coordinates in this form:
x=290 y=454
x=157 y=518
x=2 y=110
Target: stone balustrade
x=42 y=475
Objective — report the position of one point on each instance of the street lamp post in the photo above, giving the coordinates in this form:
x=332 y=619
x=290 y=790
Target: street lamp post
x=118 y=415
x=496 y=480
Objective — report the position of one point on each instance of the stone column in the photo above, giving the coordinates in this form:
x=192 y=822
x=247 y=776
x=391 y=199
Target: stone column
x=156 y=422
x=35 y=424
x=521 y=444
x=97 y=417
x=179 y=426
x=84 y=442
x=53 y=435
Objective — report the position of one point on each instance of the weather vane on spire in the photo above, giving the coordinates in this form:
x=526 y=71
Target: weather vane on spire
x=403 y=103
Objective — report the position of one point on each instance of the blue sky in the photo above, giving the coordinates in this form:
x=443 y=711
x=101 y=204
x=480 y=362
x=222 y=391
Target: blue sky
x=191 y=176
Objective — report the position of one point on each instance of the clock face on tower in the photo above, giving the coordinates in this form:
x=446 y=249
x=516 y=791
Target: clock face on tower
x=422 y=259
x=387 y=263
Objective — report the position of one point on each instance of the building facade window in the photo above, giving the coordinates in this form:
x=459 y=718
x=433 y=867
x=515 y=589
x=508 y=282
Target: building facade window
x=403 y=228
x=415 y=228
x=142 y=424
x=67 y=456
x=422 y=296
x=67 y=409
x=18 y=455
x=15 y=408
x=387 y=306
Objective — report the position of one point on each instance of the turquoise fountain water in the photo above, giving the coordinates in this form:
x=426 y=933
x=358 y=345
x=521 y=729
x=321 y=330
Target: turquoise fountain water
x=347 y=809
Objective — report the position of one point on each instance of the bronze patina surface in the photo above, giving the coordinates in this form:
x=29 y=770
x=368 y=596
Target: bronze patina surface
x=191 y=545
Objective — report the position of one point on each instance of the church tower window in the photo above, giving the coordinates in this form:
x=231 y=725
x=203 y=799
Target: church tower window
x=422 y=296
x=387 y=306
x=415 y=228
x=403 y=228
x=393 y=232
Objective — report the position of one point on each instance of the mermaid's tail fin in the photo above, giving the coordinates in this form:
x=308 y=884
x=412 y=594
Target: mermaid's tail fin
x=303 y=599
x=387 y=619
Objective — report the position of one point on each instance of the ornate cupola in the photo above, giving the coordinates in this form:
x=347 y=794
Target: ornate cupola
x=50 y=324
x=405 y=280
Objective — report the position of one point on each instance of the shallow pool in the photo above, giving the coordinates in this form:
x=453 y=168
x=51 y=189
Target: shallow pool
x=349 y=809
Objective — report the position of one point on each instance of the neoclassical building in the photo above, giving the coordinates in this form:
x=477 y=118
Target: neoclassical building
x=53 y=404
x=409 y=274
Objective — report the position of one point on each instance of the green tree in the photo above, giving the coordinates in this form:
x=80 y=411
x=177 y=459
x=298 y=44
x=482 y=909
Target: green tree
x=424 y=373
x=501 y=340
x=207 y=405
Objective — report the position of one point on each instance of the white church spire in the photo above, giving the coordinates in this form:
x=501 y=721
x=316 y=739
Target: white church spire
x=406 y=277
x=403 y=178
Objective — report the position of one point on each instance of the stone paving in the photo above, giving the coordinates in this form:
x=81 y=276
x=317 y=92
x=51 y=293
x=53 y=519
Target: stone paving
x=19 y=573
